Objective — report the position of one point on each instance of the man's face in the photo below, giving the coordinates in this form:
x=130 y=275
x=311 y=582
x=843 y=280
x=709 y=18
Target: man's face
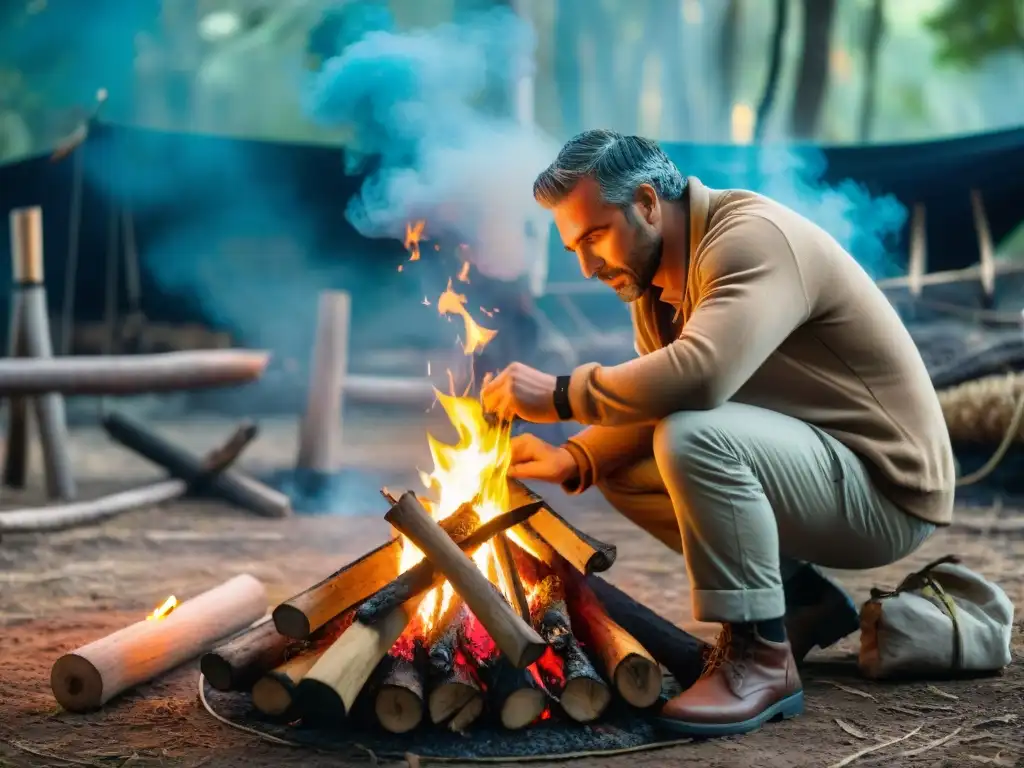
x=621 y=248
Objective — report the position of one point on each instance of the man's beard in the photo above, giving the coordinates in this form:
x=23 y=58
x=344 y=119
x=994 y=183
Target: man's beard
x=644 y=260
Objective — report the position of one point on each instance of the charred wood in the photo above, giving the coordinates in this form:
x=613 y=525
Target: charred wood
x=455 y=697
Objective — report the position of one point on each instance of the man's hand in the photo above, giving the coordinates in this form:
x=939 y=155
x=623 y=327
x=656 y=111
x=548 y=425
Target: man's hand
x=521 y=391
x=533 y=459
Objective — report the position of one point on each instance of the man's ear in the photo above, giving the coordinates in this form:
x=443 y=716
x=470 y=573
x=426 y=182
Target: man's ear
x=646 y=199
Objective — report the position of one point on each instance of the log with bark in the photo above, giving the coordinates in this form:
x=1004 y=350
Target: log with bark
x=92 y=675
x=585 y=553
x=566 y=670
x=518 y=641
x=398 y=703
x=423 y=576
x=241 y=661
x=515 y=695
x=455 y=695
x=351 y=585
x=231 y=485
x=64 y=516
x=130 y=374
x=330 y=688
x=626 y=663
x=681 y=653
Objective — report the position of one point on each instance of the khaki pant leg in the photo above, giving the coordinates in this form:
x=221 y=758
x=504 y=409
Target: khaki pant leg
x=638 y=493
x=752 y=489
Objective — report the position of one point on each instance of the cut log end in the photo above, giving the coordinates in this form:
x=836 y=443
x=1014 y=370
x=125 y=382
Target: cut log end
x=466 y=716
x=273 y=696
x=585 y=700
x=522 y=707
x=217 y=671
x=398 y=709
x=319 y=701
x=448 y=700
x=77 y=684
x=292 y=622
x=638 y=681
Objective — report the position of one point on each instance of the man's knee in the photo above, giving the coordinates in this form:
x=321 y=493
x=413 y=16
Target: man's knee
x=692 y=443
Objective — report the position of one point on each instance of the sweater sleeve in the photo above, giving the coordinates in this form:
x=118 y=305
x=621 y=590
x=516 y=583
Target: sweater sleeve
x=750 y=298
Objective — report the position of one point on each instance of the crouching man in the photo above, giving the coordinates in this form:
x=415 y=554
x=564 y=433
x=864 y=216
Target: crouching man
x=778 y=415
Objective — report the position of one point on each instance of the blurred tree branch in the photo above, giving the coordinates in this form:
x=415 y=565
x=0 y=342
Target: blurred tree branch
x=872 y=43
x=813 y=72
x=971 y=31
x=771 y=83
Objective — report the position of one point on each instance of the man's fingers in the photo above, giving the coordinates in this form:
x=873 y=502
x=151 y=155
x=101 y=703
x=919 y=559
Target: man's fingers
x=524 y=448
x=529 y=470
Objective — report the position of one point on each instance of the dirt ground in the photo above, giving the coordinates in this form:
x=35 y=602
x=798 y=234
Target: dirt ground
x=62 y=590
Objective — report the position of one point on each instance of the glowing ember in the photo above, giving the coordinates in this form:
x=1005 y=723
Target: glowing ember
x=464 y=272
x=452 y=303
x=165 y=608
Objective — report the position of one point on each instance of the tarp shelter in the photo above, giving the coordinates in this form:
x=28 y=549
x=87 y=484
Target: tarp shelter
x=244 y=191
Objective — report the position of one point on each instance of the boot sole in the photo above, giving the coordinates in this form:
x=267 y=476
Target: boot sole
x=791 y=706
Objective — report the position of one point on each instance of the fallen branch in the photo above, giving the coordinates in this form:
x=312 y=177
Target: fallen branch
x=874 y=748
x=130 y=374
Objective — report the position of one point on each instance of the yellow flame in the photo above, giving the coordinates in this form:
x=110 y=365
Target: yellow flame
x=413 y=236
x=163 y=609
x=452 y=303
x=464 y=272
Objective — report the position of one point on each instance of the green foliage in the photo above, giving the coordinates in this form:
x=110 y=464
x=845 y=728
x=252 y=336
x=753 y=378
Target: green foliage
x=970 y=31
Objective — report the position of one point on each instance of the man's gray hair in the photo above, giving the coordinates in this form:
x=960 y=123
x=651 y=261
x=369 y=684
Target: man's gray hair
x=619 y=164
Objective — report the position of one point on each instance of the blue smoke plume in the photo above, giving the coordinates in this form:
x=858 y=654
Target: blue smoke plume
x=416 y=106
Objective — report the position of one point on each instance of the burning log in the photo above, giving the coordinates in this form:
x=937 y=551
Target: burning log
x=516 y=639
x=399 y=700
x=231 y=486
x=515 y=694
x=584 y=553
x=566 y=671
x=238 y=664
x=130 y=374
x=94 y=674
x=510 y=575
x=372 y=573
x=455 y=696
x=633 y=671
x=329 y=689
x=65 y=516
x=423 y=576
x=679 y=652
x=275 y=694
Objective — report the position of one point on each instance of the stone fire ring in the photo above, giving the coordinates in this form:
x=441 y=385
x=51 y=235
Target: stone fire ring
x=621 y=730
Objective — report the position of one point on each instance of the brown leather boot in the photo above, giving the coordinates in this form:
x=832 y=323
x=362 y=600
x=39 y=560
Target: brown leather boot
x=748 y=681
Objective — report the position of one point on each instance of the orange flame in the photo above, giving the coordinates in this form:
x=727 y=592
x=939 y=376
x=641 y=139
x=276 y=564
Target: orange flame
x=163 y=609
x=452 y=303
x=413 y=236
x=464 y=272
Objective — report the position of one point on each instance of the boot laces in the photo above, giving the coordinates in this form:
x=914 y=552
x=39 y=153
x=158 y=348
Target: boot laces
x=731 y=652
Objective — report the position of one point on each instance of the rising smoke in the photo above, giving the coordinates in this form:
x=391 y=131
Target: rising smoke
x=435 y=147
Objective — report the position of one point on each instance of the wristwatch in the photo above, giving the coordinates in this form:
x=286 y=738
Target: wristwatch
x=563 y=407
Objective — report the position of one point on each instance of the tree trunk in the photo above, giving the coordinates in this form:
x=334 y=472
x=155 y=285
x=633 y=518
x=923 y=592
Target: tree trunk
x=812 y=78
x=872 y=43
x=567 y=65
x=771 y=83
x=728 y=58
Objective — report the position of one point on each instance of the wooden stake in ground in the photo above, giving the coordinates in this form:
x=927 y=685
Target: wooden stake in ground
x=31 y=337
x=320 y=438
x=583 y=552
x=65 y=516
x=517 y=640
x=329 y=690
x=633 y=671
x=455 y=696
x=94 y=674
x=232 y=486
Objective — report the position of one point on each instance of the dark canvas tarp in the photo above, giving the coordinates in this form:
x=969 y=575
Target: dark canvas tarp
x=298 y=192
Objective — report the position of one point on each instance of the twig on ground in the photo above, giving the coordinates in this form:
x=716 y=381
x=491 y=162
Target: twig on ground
x=874 y=748
x=29 y=750
x=943 y=694
x=853 y=730
x=931 y=744
x=848 y=689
